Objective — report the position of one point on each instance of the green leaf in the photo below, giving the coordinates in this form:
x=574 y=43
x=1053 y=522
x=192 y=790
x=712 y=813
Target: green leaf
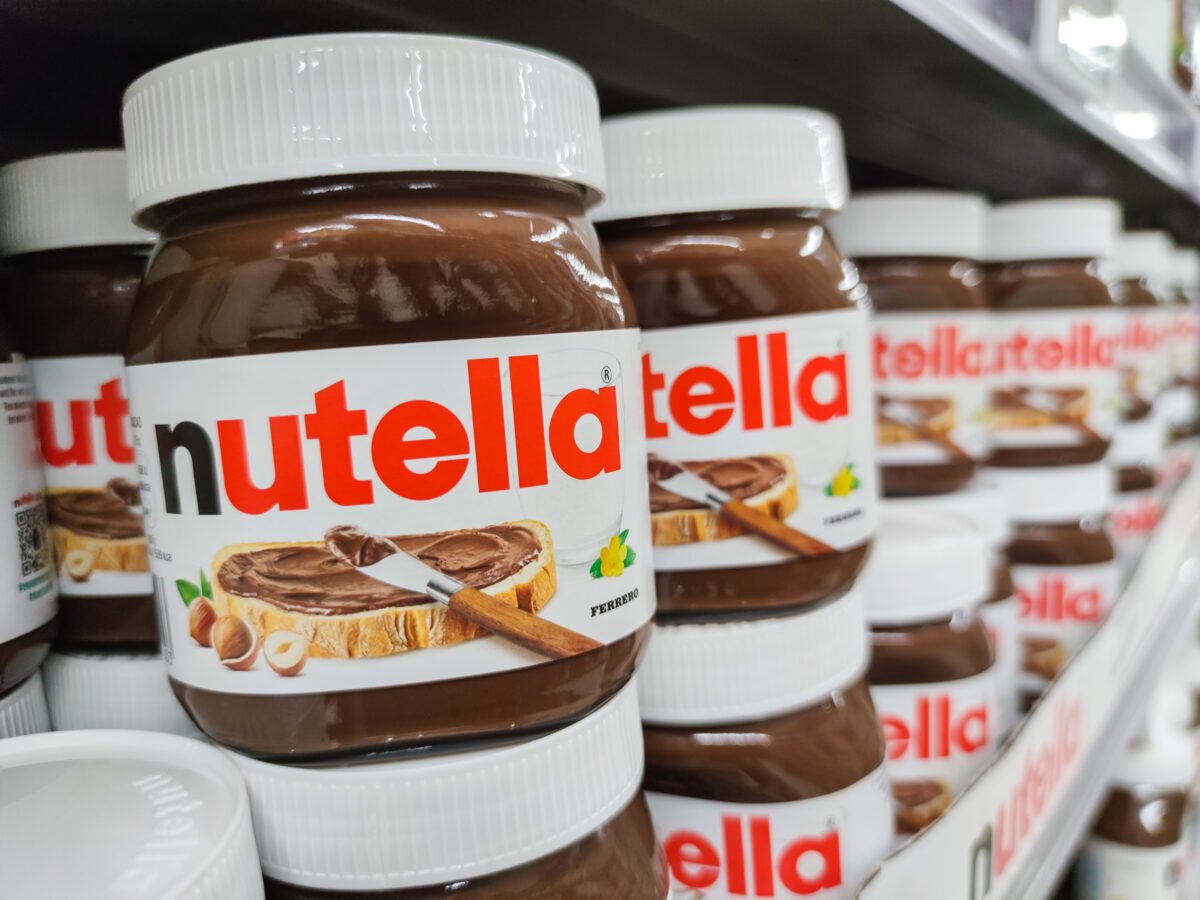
x=849 y=467
x=624 y=534
x=595 y=569
x=205 y=585
x=630 y=556
x=829 y=490
x=854 y=484
x=187 y=590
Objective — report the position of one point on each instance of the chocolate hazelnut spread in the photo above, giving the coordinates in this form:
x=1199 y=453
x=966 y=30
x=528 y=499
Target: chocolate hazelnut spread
x=77 y=262
x=313 y=580
x=754 y=343
x=740 y=478
x=439 y=336
x=1055 y=332
x=932 y=675
x=916 y=253
x=765 y=721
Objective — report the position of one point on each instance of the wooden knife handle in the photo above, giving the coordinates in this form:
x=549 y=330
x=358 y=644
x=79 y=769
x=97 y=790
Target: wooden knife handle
x=775 y=531
x=520 y=627
x=926 y=433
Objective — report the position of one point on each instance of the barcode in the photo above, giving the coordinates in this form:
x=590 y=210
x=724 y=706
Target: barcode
x=33 y=540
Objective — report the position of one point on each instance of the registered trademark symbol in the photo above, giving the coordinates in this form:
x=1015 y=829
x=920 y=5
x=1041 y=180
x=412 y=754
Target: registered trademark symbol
x=606 y=375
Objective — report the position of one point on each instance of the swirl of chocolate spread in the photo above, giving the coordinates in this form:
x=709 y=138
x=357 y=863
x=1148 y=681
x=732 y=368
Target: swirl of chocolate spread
x=741 y=477
x=101 y=514
x=308 y=578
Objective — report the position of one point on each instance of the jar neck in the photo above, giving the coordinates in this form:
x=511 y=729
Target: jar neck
x=619 y=228
x=290 y=198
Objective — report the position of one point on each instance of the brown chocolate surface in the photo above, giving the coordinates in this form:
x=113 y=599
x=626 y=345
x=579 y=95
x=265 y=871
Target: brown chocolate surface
x=725 y=267
x=1060 y=544
x=916 y=793
x=94 y=513
x=945 y=650
x=310 y=579
x=741 y=477
x=1136 y=478
x=383 y=260
x=907 y=285
x=1132 y=292
x=620 y=859
x=1142 y=818
x=797 y=756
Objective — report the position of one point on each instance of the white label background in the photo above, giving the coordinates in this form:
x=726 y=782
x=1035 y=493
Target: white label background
x=819 y=449
x=1112 y=871
x=27 y=599
x=377 y=379
x=1001 y=621
x=58 y=380
x=861 y=813
x=967 y=393
x=1127 y=509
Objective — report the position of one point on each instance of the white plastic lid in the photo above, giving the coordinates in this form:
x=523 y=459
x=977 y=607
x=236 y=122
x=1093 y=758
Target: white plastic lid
x=1186 y=269
x=97 y=690
x=708 y=159
x=1148 y=255
x=337 y=104
x=67 y=200
x=1163 y=758
x=912 y=223
x=432 y=820
x=727 y=672
x=924 y=567
x=120 y=814
x=981 y=503
x=23 y=709
x=1140 y=442
x=1054 y=493
x=1065 y=228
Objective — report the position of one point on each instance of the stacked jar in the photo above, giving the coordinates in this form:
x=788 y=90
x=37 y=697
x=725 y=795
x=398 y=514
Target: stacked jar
x=1178 y=406
x=386 y=407
x=77 y=261
x=1055 y=331
x=939 y=684
x=757 y=387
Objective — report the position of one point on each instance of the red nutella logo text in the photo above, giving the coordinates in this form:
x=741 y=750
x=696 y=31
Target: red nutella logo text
x=78 y=444
x=749 y=864
x=1142 y=334
x=1140 y=518
x=1081 y=348
x=1053 y=600
x=769 y=390
x=1019 y=814
x=943 y=353
x=419 y=449
x=936 y=730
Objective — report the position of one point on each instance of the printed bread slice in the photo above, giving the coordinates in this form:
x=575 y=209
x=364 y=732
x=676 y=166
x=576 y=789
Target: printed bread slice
x=686 y=526
x=110 y=554
x=390 y=630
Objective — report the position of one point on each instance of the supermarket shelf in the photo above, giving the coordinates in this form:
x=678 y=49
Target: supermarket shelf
x=927 y=94
x=1014 y=831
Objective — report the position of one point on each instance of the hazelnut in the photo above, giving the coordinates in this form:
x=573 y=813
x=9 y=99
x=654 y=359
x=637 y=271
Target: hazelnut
x=79 y=564
x=286 y=652
x=201 y=618
x=235 y=642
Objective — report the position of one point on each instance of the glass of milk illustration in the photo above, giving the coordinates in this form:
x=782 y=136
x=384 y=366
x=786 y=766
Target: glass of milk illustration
x=582 y=514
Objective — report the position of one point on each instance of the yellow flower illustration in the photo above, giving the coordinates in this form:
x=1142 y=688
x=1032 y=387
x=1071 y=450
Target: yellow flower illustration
x=843 y=483
x=612 y=558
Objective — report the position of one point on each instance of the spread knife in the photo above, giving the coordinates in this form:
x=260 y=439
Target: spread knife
x=900 y=413
x=1047 y=404
x=693 y=487
x=401 y=570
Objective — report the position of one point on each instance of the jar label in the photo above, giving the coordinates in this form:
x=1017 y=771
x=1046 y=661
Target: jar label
x=512 y=464
x=1058 y=609
x=938 y=734
x=1132 y=518
x=775 y=411
x=1182 y=345
x=1112 y=871
x=29 y=595
x=91 y=475
x=1143 y=357
x=824 y=847
x=930 y=390
x=1054 y=377
x=1000 y=619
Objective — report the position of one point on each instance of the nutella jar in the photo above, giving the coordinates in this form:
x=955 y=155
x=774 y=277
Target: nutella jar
x=1063 y=563
x=1139 y=272
x=1055 y=329
x=65 y=229
x=28 y=591
x=917 y=253
x=933 y=676
x=764 y=758
x=1178 y=405
x=1139 y=845
x=754 y=351
x=982 y=504
x=561 y=815
x=1138 y=505
x=394 y=327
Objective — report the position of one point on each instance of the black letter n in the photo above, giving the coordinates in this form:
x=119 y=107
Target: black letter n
x=195 y=440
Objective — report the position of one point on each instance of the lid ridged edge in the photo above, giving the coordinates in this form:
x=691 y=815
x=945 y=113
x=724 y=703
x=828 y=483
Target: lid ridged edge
x=23 y=709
